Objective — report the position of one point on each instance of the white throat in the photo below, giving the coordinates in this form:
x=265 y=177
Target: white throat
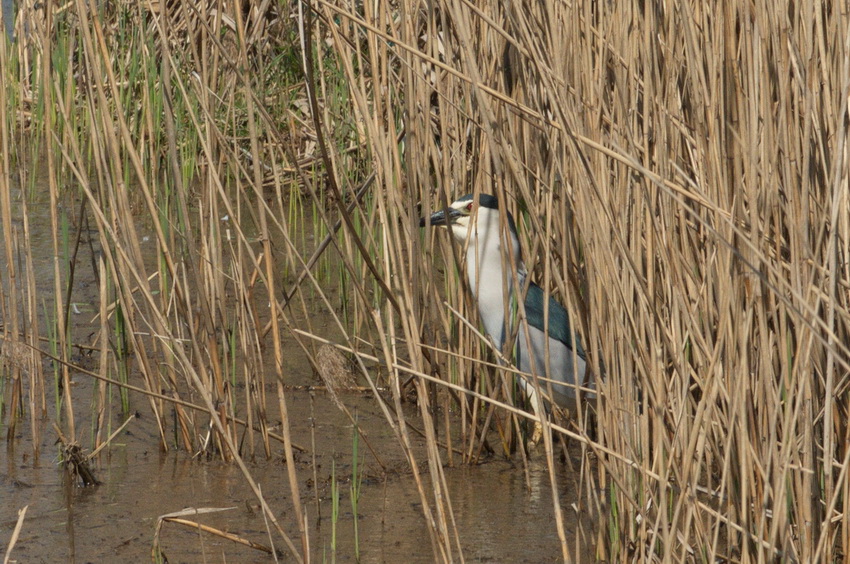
x=488 y=269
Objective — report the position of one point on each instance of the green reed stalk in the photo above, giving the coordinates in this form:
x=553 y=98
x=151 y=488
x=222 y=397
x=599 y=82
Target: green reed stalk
x=356 y=485
x=334 y=510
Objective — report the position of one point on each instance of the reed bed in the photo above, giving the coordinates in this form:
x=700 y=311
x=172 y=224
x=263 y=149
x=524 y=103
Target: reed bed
x=679 y=174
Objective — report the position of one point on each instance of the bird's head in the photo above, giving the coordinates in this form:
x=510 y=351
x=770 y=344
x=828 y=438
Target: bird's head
x=462 y=217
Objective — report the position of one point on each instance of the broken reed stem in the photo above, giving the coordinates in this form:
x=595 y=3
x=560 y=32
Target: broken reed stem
x=115 y=433
x=219 y=533
x=75 y=463
x=22 y=513
x=177 y=517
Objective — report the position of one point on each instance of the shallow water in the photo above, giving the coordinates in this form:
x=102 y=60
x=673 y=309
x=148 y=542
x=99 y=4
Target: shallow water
x=498 y=518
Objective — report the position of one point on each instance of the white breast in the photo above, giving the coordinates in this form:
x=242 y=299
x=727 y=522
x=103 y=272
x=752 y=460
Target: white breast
x=488 y=273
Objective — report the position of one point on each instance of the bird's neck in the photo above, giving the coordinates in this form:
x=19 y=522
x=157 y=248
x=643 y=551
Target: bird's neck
x=490 y=273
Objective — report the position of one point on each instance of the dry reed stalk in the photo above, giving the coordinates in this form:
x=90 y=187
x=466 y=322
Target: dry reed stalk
x=112 y=208
x=219 y=533
x=161 y=397
x=11 y=327
x=102 y=407
x=640 y=167
x=678 y=175
x=15 y=534
x=35 y=375
x=177 y=517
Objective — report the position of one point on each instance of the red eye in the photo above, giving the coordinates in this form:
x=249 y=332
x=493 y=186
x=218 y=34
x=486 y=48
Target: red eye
x=469 y=206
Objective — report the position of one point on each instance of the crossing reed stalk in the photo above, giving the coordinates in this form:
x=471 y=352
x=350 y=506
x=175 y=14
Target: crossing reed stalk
x=679 y=175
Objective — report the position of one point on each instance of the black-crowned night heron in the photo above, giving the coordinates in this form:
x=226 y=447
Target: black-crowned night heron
x=491 y=280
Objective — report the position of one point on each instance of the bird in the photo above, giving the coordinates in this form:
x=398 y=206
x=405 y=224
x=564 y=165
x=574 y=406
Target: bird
x=490 y=277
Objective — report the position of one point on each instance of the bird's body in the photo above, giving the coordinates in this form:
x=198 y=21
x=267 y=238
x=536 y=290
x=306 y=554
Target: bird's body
x=490 y=273
x=565 y=368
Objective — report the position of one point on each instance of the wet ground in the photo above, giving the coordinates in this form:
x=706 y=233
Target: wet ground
x=502 y=513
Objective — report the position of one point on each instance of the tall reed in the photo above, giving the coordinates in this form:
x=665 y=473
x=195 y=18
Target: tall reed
x=679 y=176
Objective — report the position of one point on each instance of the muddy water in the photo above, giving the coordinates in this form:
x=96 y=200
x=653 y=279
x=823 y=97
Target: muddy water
x=499 y=518
x=500 y=514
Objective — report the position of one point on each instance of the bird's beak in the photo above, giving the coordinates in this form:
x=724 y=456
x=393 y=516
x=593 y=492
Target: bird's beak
x=441 y=217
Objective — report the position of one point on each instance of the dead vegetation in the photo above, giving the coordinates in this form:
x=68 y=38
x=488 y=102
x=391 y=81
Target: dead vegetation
x=680 y=176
